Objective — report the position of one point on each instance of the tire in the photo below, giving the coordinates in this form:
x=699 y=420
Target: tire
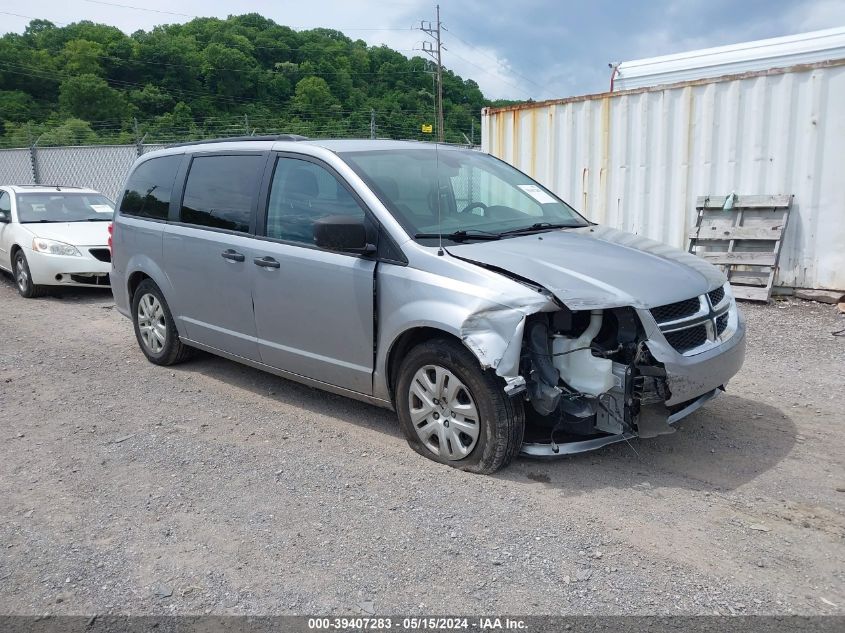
x=23 y=278
x=427 y=421
x=153 y=321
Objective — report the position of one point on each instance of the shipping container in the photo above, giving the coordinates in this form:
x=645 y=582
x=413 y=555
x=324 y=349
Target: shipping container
x=775 y=52
x=637 y=159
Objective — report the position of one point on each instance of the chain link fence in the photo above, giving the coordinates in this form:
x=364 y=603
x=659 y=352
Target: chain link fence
x=16 y=167
x=104 y=167
x=100 y=167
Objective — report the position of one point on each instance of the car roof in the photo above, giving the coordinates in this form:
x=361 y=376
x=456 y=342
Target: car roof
x=364 y=145
x=289 y=141
x=48 y=189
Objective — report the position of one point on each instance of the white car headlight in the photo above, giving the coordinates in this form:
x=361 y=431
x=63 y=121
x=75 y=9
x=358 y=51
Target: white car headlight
x=52 y=247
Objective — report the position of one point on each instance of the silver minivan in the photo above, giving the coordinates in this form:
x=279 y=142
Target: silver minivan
x=433 y=280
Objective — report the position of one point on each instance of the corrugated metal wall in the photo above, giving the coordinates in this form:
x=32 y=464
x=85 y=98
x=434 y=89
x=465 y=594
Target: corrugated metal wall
x=636 y=160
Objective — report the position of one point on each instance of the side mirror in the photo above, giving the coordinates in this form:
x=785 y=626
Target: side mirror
x=343 y=233
x=5 y=217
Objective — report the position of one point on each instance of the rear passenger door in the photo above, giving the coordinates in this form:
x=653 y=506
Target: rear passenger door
x=313 y=308
x=208 y=251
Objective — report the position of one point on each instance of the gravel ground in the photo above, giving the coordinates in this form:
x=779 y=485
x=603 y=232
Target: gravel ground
x=215 y=488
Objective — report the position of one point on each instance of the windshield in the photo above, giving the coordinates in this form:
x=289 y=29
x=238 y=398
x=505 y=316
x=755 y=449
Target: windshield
x=478 y=195
x=64 y=207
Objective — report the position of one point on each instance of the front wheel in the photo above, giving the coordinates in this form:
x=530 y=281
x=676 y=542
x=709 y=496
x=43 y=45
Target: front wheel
x=155 y=328
x=455 y=413
x=23 y=278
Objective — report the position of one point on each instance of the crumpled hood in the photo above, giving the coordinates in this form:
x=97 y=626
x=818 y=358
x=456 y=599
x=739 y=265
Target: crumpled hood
x=75 y=233
x=598 y=267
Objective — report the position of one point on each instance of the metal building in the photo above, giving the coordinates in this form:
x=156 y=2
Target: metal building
x=637 y=159
x=775 y=52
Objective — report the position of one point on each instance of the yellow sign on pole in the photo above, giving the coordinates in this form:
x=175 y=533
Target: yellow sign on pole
x=427 y=128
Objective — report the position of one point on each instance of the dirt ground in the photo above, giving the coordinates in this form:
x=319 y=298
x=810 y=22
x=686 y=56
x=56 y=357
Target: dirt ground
x=215 y=488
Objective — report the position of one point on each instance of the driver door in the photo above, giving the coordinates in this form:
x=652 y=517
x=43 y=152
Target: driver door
x=313 y=307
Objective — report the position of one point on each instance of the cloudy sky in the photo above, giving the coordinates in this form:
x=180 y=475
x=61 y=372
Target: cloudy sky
x=513 y=48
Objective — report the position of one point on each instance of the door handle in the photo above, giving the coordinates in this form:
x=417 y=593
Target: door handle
x=232 y=256
x=266 y=262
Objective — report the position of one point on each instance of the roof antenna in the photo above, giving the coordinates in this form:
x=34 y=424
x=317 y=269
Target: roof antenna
x=439 y=218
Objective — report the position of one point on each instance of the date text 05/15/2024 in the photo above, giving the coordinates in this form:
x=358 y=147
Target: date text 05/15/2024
x=416 y=623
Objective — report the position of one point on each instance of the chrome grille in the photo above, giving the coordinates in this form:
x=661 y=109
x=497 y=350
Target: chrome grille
x=721 y=323
x=687 y=339
x=675 y=311
x=716 y=296
x=695 y=324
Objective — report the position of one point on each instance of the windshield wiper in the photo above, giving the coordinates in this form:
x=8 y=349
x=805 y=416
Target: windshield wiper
x=459 y=236
x=538 y=226
x=44 y=222
x=97 y=220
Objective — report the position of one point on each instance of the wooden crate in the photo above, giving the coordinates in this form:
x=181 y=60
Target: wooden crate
x=743 y=240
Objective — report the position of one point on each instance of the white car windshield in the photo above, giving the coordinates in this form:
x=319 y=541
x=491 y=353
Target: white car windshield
x=459 y=194
x=64 y=207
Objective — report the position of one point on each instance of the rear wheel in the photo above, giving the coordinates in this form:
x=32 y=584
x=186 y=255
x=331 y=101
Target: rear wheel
x=453 y=412
x=23 y=278
x=155 y=328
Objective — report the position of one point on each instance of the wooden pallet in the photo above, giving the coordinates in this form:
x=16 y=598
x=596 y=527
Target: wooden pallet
x=743 y=240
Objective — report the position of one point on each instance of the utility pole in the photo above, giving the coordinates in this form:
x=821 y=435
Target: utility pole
x=139 y=140
x=433 y=51
x=372 y=123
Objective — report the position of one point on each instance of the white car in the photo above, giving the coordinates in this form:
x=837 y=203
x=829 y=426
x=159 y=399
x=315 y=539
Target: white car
x=54 y=236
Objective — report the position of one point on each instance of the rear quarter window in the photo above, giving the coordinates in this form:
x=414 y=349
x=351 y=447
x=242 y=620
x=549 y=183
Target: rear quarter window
x=221 y=190
x=149 y=188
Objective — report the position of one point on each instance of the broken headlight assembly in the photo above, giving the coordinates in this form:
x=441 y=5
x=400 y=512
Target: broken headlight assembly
x=589 y=374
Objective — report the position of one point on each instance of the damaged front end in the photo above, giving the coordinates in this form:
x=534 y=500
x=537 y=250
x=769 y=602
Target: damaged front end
x=594 y=377
x=590 y=381
x=599 y=366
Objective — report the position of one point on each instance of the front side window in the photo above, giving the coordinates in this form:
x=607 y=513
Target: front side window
x=220 y=191
x=448 y=191
x=149 y=187
x=63 y=206
x=6 y=204
x=301 y=193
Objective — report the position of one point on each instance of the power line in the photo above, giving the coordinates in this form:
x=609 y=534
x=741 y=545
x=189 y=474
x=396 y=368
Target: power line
x=57 y=76
x=489 y=72
x=490 y=57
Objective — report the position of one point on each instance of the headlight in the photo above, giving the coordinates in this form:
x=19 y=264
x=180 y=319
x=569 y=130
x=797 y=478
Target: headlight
x=52 y=247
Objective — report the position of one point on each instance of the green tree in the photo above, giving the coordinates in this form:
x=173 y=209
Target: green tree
x=82 y=57
x=16 y=105
x=313 y=99
x=212 y=76
x=91 y=98
x=71 y=132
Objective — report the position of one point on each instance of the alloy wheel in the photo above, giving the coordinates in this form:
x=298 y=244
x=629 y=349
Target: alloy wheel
x=443 y=413
x=22 y=276
x=151 y=323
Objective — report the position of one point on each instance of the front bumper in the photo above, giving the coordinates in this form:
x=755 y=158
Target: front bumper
x=55 y=270
x=572 y=448
x=693 y=379
x=691 y=376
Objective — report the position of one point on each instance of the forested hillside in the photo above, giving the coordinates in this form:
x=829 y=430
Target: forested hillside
x=89 y=83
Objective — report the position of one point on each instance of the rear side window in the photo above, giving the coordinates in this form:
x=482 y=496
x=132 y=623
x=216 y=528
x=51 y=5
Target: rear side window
x=149 y=187
x=220 y=191
x=5 y=204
